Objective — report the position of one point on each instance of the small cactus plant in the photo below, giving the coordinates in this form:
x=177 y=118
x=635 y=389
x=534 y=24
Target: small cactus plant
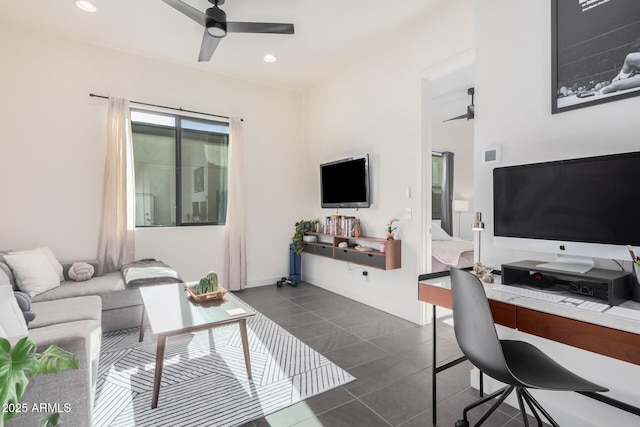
x=207 y=284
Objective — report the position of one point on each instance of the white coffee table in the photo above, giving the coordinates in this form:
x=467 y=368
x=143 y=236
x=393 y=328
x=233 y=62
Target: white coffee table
x=170 y=311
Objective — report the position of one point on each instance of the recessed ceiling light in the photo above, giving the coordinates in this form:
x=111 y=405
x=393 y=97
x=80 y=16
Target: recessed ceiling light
x=86 y=5
x=269 y=58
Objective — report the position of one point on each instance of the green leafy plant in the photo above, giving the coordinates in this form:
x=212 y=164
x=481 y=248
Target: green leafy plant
x=302 y=226
x=207 y=284
x=20 y=364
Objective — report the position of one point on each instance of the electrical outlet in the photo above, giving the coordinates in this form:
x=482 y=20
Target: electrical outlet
x=407 y=213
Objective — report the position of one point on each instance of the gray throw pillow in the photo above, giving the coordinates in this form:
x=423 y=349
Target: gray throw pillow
x=24 y=302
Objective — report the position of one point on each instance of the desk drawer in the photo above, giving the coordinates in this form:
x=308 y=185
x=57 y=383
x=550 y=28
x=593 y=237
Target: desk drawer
x=346 y=255
x=325 y=250
x=614 y=343
x=373 y=259
x=434 y=295
x=503 y=314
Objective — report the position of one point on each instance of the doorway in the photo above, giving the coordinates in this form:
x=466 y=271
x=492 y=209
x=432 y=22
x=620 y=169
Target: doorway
x=448 y=128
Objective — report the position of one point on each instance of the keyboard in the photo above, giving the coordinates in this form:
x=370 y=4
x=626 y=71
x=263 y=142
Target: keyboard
x=628 y=313
x=585 y=305
x=553 y=298
x=530 y=293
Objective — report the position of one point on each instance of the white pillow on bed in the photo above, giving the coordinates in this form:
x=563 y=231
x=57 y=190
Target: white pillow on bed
x=437 y=233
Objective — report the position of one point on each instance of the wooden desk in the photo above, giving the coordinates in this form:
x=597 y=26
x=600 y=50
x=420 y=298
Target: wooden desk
x=610 y=336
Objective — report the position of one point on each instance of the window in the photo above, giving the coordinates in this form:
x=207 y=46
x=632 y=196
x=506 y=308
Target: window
x=180 y=169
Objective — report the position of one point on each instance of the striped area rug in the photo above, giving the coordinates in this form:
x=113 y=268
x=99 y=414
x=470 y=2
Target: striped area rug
x=204 y=380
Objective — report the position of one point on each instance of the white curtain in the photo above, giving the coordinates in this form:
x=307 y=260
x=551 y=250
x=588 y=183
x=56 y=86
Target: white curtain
x=235 y=256
x=116 y=243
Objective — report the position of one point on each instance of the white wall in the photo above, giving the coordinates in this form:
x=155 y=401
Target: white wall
x=513 y=76
x=52 y=152
x=373 y=106
x=513 y=73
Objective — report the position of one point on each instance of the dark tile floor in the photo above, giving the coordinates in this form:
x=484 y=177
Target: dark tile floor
x=390 y=357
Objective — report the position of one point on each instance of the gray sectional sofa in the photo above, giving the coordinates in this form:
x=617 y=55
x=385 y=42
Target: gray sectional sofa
x=73 y=317
x=72 y=324
x=121 y=307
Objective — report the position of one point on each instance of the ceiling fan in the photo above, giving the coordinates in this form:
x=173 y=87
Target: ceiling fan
x=215 y=24
x=470 y=114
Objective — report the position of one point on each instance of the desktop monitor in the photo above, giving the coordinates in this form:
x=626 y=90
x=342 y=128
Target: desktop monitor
x=579 y=209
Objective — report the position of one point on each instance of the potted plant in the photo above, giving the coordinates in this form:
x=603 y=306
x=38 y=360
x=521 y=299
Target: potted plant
x=18 y=365
x=302 y=226
x=390 y=228
x=207 y=288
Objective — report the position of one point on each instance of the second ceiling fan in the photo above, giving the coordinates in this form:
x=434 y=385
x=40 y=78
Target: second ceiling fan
x=214 y=21
x=471 y=109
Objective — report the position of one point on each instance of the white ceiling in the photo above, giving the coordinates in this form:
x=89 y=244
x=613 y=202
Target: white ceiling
x=327 y=32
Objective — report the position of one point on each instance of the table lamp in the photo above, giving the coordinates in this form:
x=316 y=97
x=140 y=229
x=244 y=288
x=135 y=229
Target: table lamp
x=478 y=226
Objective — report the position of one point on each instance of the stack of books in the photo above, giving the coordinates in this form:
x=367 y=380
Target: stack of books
x=340 y=225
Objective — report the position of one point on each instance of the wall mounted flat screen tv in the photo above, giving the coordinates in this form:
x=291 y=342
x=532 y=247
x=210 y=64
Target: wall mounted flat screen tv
x=593 y=200
x=345 y=183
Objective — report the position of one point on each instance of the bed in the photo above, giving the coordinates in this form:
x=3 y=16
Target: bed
x=447 y=251
x=451 y=253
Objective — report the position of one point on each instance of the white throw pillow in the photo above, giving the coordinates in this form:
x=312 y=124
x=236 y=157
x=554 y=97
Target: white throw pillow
x=12 y=320
x=57 y=267
x=33 y=272
x=48 y=253
x=3 y=334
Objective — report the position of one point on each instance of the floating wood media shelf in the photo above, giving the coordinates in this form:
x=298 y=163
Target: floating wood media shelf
x=327 y=246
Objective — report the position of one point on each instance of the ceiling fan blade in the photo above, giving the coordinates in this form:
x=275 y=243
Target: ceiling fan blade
x=208 y=46
x=461 y=116
x=189 y=11
x=259 y=27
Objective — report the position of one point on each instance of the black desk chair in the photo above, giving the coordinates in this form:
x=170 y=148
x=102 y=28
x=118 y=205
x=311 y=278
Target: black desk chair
x=518 y=364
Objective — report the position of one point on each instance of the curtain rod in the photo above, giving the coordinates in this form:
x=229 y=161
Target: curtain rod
x=164 y=106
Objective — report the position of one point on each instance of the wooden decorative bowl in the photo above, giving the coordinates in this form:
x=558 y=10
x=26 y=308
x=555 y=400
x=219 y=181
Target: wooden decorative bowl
x=206 y=296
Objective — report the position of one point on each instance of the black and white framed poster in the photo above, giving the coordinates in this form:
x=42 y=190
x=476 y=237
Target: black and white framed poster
x=595 y=48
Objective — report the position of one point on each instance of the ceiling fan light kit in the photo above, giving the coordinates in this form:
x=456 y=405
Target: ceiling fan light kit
x=216 y=27
x=217 y=22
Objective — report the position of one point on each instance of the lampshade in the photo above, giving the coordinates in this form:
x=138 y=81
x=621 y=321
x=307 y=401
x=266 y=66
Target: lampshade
x=478 y=225
x=460 y=205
